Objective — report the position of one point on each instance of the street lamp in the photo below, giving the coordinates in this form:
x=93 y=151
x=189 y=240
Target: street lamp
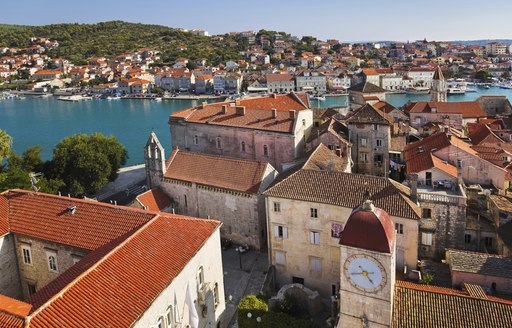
x=240 y=250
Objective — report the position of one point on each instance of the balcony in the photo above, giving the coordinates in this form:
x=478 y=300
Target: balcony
x=455 y=197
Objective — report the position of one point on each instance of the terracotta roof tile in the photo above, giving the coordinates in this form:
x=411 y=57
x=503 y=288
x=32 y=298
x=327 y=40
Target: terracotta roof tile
x=154 y=200
x=418 y=154
x=431 y=307
x=444 y=166
x=257 y=114
x=217 y=171
x=10 y=321
x=322 y=158
x=468 y=109
x=480 y=263
x=4 y=214
x=368 y=114
x=92 y=225
x=279 y=77
x=14 y=307
x=142 y=264
x=483 y=134
x=367 y=87
x=344 y=189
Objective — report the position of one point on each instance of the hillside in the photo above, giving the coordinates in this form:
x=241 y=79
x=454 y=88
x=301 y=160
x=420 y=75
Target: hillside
x=81 y=41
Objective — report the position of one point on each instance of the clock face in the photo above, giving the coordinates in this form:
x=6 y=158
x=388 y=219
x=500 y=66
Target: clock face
x=365 y=273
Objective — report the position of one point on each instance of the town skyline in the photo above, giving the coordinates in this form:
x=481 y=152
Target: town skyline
x=397 y=21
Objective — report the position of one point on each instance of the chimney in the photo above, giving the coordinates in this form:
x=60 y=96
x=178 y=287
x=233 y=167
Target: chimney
x=338 y=153
x=274 y=95
x=274 y=113
x=293 y=114
x=237 y=102
x=224 y=109
x=71 y=209
x=413 y=184
x=240 y=110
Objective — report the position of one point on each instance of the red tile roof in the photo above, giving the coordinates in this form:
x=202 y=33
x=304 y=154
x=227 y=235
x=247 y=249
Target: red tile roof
x=141 y=265
x=418 y=154
x=154 y=200
x=468 y=109
x=92 y=225
x=431 y=307
x=10 y=321
x=278 y=77
x=257 y=113
x=444 y=166
x=483 y=134
x=216 y=171
x=14 y=307
x=4 y=214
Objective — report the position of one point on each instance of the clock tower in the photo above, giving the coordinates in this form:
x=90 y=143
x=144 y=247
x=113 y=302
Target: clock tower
x=367 y=268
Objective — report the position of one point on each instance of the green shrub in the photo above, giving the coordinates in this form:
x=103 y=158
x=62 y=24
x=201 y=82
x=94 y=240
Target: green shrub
x=250 y=304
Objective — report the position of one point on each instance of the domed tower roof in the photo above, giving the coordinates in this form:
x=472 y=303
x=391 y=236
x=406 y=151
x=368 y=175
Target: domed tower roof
x=370 y=228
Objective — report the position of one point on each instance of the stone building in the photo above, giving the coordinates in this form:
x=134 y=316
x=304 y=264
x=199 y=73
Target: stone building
x=271 y=129
x=492 y=272
x=63 y=257
x=455 y=114
x=307 y=212
x=495 y=105
x=279 y=83
x=371 y=295
x=439 y=89
x=221 y=188
x=369 y=131
x=364 y=92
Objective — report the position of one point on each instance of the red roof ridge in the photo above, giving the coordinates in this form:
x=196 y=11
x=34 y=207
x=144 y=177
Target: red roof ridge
x=91 y=268
x=14 y=307
x=82 y=200
x=447 y=291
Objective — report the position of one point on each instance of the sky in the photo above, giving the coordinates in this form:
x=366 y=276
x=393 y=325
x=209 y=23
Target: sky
x=368 y=20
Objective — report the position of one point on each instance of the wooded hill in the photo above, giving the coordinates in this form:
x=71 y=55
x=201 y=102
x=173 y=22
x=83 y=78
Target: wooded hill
x=78 y=42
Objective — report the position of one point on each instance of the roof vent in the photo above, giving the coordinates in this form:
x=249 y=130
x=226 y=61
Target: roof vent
x=224 y=109
x=240 y=110
x=71 y=209
x=274 y=113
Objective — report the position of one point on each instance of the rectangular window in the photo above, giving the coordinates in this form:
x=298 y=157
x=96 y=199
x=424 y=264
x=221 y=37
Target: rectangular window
x=467 y=239
x=27 y=255
x=364 y=157
x=426 y=213
x=280 y=231
x=488 y=241
x=314 y=212
x=375 y=126
x=399 y=227
x=242 y=146
x=196 y=140
x=280 y=258
x=52 y=261
x=168 y=315
x=426 y=238
x=216 y=294
x=315 y=237
x=218 y=143
x=277 y=207
x=364 y=142
x=31 y=289
x=265 y=150
x=315 y=264
x=379 y=142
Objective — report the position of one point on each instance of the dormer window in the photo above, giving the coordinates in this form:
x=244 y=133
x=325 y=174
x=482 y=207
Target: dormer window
x=434 y=110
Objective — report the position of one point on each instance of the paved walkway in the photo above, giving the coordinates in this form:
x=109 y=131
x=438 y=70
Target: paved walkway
x=127 y=177
x=241 y=278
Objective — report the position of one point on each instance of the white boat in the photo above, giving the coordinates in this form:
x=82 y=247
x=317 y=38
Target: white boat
x=417 y=90
x=69 y=98
x=157 y=99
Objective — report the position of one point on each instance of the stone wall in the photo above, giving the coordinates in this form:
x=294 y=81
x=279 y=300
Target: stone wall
x=281 y=147
x=503 y=284
x=9 y=276
x=298 y=249
x=357 y=132
x=38 y=272
x=238 y=212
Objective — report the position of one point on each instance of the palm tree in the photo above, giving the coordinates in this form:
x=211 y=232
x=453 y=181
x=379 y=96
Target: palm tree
x=5 y=144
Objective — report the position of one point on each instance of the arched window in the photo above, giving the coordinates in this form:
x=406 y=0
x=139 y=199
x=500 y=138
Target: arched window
x=169 y=316
x=242 y=146
x=219 y=143
x=196 y=140
x=200 y=278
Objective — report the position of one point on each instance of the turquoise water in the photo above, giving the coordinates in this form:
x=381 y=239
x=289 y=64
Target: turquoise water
x=46 y=121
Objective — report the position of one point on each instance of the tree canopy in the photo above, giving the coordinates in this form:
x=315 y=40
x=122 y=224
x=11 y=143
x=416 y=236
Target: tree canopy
x=86 y=163
x=5 y=144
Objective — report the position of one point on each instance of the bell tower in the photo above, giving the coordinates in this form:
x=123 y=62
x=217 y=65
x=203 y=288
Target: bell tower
x=439 y=90
x=367 y=268
x=154 y=160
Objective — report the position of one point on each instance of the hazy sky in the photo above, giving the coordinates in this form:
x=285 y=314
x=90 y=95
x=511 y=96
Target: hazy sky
x=339 y=19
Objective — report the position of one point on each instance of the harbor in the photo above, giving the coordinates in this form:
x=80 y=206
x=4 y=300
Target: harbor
x=32 y=120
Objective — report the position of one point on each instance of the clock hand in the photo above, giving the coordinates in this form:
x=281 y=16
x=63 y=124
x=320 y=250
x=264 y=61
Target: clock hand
x=369 y=279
